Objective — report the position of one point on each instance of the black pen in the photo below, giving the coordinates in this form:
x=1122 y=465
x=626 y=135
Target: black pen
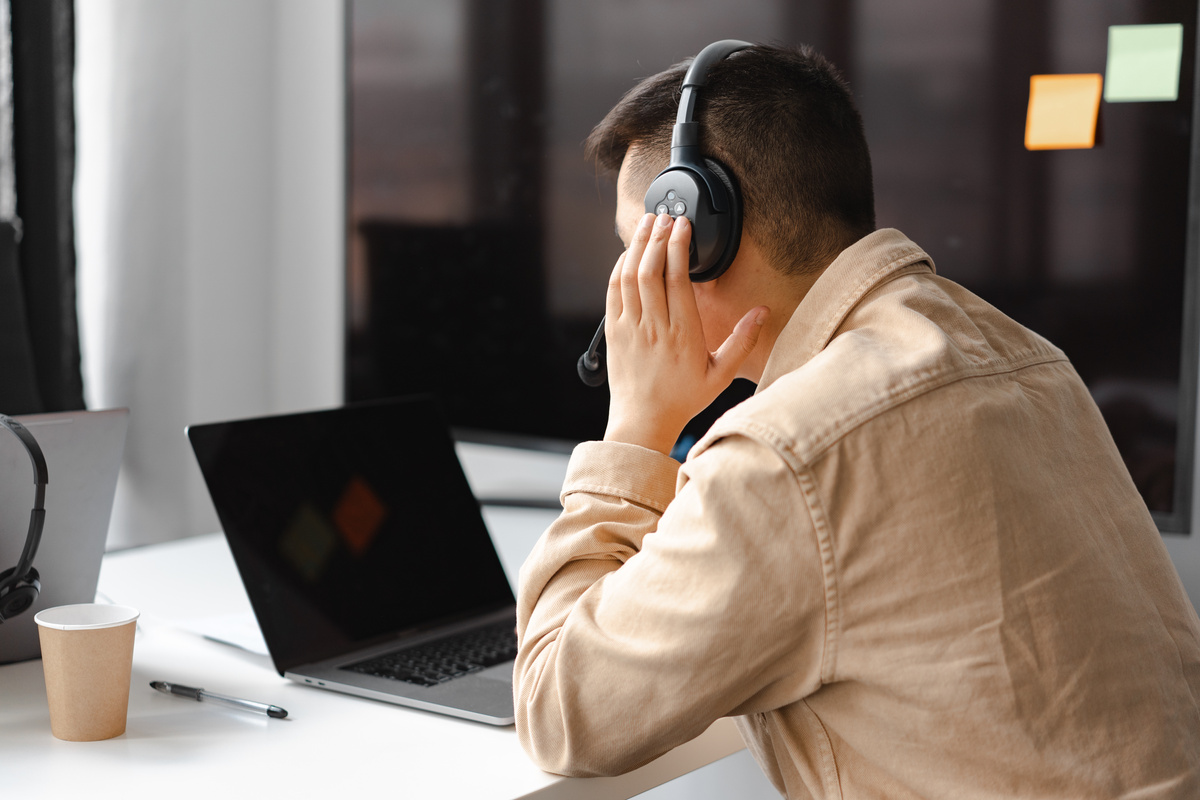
x=234 y=702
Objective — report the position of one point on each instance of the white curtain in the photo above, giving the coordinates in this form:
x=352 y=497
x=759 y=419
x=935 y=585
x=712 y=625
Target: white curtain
x=210 y=216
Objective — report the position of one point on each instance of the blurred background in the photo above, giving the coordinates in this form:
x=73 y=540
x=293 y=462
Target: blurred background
x=210 y=214
x=479 y=242
x=288 y=204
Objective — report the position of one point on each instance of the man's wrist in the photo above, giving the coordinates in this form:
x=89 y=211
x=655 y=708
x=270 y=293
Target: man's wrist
x=641 y=436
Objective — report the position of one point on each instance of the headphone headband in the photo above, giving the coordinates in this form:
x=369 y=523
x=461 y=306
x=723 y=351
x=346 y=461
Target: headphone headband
x=31 y=447
x=685 y=137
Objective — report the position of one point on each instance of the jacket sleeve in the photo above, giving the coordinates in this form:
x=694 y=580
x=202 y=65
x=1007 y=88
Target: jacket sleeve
x=644 y=615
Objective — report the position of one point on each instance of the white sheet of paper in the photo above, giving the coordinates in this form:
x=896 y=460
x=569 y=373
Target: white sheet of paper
x=239 y=630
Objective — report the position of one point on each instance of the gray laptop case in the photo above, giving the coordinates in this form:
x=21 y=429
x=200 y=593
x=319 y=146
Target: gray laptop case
x=356 y=535
x=83 y=451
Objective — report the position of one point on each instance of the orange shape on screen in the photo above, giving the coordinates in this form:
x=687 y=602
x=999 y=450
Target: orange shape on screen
x=1063 y=110
x=358 y=514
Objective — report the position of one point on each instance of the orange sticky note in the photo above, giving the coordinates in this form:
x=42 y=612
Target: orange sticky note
x=1062 y=111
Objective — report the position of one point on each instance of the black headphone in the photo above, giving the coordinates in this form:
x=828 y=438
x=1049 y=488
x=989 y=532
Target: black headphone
x=693 y=186
x=19 y=586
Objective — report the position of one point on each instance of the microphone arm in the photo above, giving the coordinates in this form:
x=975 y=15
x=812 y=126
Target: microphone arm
x=591 y=366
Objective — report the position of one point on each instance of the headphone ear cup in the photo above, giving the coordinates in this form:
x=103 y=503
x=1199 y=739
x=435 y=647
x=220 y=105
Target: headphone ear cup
x=21 y=596
x=733 y=221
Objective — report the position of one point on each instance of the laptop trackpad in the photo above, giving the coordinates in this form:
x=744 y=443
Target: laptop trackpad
x=500 y=672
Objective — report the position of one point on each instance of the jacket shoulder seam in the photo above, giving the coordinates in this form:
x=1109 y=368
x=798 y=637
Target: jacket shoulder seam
x=800 y=454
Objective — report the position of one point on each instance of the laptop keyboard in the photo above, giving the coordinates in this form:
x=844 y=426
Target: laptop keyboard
x=445 y=659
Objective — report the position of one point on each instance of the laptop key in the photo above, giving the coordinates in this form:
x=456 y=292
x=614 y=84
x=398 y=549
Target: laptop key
x=445 y=659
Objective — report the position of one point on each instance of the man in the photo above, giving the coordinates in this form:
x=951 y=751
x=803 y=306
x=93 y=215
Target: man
x=912 y=565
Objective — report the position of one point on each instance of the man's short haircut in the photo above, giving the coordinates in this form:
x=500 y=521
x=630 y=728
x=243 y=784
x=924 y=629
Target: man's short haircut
x=783 y=120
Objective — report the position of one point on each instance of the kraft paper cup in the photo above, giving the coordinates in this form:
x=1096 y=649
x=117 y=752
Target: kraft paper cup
x=87 y=656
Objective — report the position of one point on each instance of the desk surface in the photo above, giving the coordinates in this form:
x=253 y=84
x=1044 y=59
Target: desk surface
x=329 y=745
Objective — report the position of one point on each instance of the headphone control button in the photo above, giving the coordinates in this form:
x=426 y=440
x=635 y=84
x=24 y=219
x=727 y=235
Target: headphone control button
x=680 y=208
x=661 y=209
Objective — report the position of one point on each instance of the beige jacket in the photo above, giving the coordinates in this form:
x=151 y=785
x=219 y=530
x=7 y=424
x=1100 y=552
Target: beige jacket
x=913 y=565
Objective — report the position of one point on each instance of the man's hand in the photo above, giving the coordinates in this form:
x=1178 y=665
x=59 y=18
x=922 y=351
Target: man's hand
x=660 y=372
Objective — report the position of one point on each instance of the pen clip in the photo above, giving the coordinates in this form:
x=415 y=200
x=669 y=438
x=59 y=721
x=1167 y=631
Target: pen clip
x=177 y=689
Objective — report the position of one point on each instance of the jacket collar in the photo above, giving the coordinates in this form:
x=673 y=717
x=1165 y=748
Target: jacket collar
x=862 y=266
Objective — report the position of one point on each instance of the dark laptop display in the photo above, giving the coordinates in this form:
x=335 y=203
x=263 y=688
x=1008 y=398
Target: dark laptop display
x=350 y=527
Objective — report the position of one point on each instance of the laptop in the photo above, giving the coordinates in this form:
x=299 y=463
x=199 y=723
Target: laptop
x=83 y=451
x=365 y=555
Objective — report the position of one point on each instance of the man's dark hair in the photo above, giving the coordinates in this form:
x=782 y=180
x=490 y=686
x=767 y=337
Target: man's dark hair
x=783 y=120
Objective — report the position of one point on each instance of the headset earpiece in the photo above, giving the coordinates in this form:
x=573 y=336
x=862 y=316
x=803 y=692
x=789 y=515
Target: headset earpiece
x=708 y=196
x=731 y=221
x=21 y=595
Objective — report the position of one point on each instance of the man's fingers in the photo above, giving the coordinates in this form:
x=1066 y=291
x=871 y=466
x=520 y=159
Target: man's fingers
x=612 y=301
x=630 y=296
x=681 y=299
x=740 y=344
x=651 y=268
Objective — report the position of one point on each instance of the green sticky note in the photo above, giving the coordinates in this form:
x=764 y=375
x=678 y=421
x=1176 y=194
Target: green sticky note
x=1143 y=63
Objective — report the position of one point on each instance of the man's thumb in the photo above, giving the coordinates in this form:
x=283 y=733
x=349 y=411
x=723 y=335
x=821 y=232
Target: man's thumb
x=741 y=343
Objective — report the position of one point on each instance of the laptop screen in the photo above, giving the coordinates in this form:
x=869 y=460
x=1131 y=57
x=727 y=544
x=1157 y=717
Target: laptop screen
x=349 y=525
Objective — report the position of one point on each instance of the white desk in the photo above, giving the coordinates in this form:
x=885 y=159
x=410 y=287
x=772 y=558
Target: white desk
x=331 y=745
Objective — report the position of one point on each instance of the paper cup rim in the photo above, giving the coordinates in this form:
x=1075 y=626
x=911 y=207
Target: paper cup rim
x=76 y=618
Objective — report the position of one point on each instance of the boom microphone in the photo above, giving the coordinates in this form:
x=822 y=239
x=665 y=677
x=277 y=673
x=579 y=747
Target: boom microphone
x=592 y=369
